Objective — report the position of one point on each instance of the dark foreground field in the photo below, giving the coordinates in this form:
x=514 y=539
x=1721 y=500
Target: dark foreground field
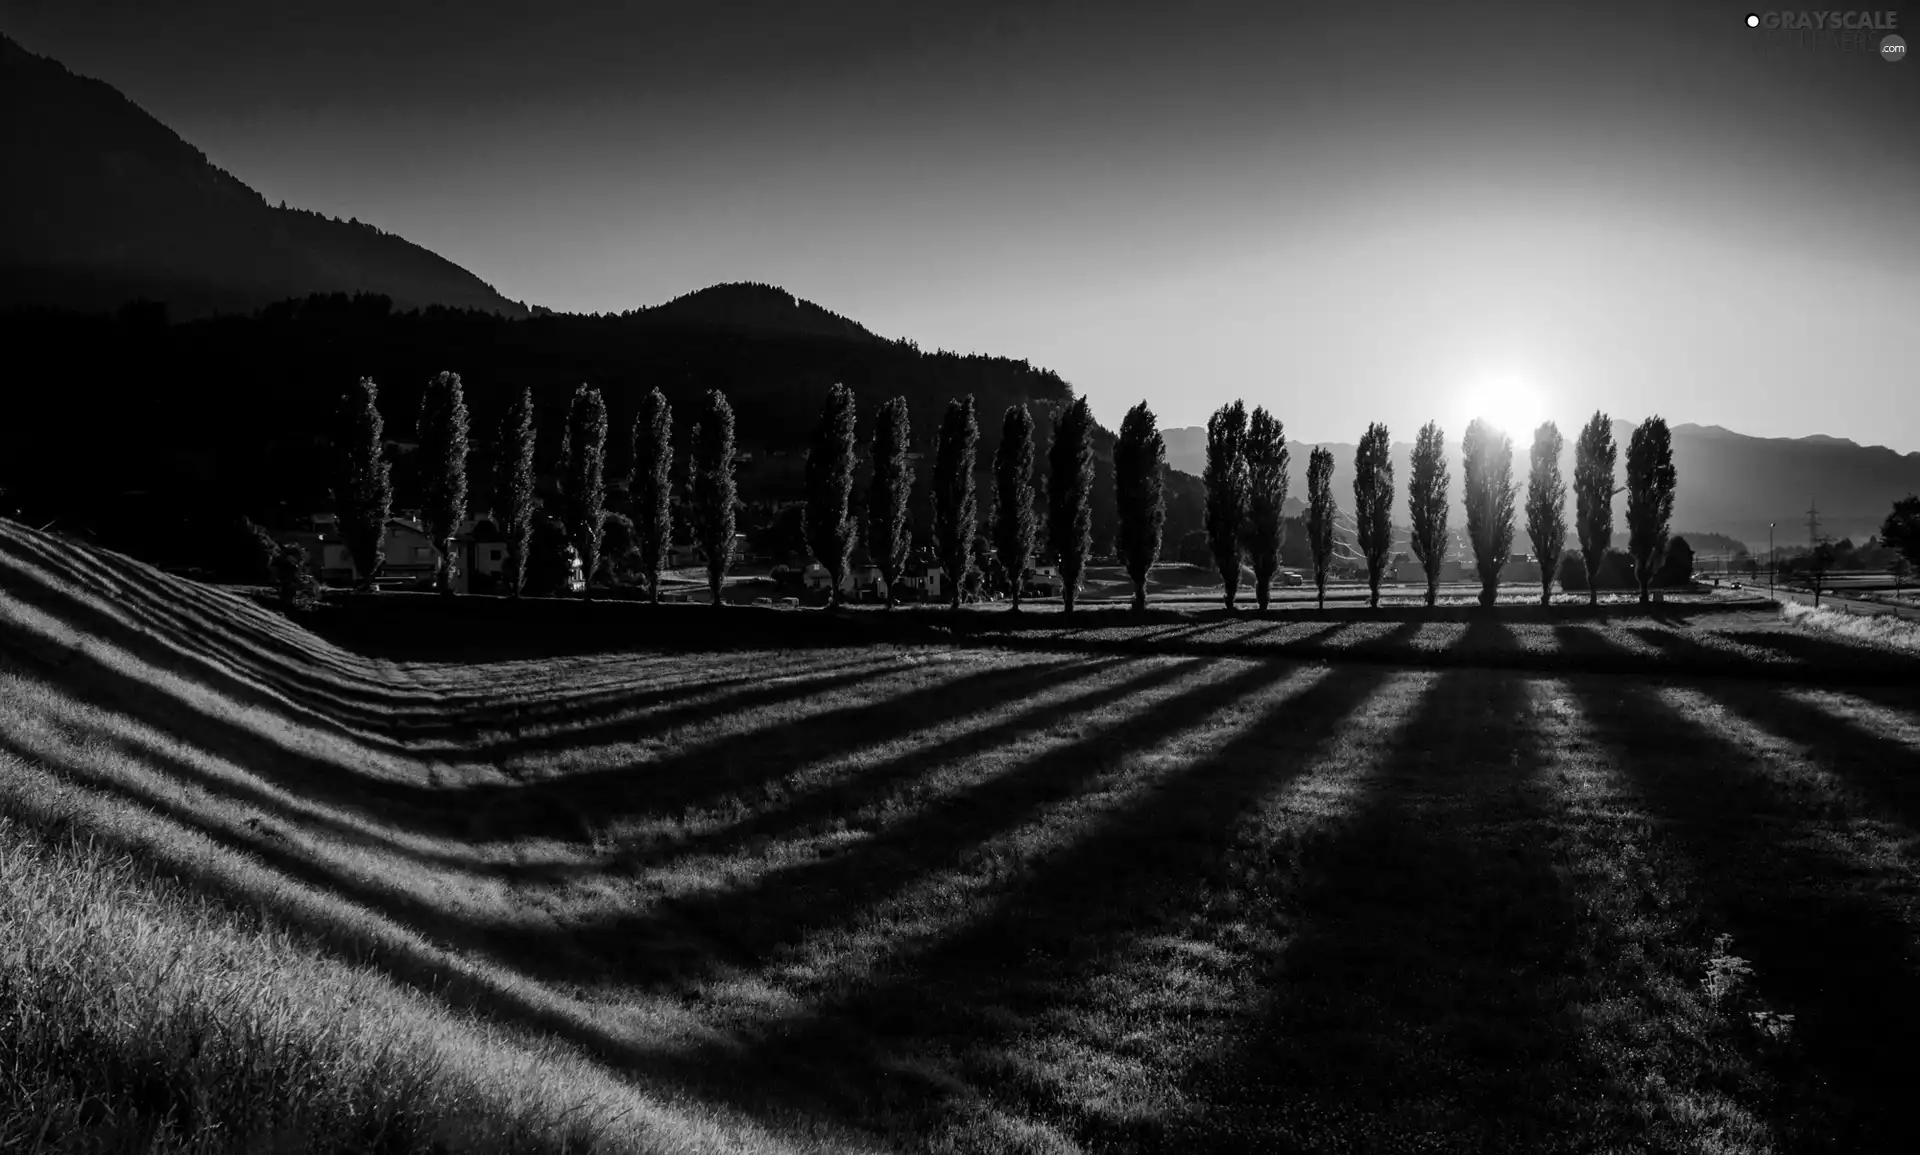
x=1527 y=881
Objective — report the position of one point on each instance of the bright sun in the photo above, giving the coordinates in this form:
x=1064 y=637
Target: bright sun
x=1509 y=403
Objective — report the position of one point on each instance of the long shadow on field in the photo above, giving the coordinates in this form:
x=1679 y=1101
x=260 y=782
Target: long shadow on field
x=1886 y=771
x=407 y=955
x=746 y=926
x=562 y=806
x=1425 y=991
x=1824 y=945
x=391 y=725
x=878 y=781
x=207 y=625
x=221 y=643
x=1065 y=912
x=1887 y=665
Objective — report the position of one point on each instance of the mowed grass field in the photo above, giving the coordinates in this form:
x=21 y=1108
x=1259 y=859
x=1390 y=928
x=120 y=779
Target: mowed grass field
x=1533 y=880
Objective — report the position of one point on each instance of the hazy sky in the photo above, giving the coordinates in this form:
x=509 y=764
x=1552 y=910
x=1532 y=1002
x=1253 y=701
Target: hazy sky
x=1347 y=212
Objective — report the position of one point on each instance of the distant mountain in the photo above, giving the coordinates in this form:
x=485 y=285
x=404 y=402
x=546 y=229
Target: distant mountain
x=753 y=308
x=102 y=203
x=1730 y=483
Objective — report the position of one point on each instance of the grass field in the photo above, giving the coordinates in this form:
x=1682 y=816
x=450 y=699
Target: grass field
x=1534 y=880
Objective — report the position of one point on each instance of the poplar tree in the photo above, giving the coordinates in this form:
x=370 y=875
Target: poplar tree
x=714 y=489
x=1650 y=485
x=583 y=479
x=1321 y=510
x=829 y=520
x=1373 y=504
x=1226 y=484
x=888 y=533
x=1427 y=503
x=363 y=496
x=1013 y=517
x=1139 y=460
x=1265 y=528
x=955 y=508
x=1594 y=458
x=652 y=490
x=1546 y=505
x=514 y=497
x=1487 y=461
x=1070 y=495
x=442 y=431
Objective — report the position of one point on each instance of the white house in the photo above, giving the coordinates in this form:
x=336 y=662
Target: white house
x=857 y=579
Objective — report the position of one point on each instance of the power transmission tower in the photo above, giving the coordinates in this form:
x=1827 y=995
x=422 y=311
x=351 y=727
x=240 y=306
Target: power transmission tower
x=1814 y=537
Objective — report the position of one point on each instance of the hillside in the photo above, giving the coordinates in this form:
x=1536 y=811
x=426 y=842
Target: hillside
x=547 y=876
x=103 y=203
x=201 y=421
x=1729 y=482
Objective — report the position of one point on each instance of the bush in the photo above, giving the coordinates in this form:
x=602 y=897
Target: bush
x=1616 y=572
x=293 y=581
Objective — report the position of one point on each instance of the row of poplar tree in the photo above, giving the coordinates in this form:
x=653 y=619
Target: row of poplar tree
x=1246 y=482
x=363 y=492
x=1245 y=479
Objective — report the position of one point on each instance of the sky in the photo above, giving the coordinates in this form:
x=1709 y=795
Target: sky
x=1345 y=212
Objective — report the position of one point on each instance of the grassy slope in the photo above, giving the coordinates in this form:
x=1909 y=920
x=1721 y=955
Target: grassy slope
x=1064 y=895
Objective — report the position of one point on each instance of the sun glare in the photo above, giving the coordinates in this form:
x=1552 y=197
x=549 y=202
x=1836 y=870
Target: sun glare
x=1508 y=403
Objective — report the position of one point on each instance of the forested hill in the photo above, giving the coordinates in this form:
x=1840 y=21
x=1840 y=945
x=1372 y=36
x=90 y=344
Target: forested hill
x=235 y=412
x=102 y=203
x=754 y=307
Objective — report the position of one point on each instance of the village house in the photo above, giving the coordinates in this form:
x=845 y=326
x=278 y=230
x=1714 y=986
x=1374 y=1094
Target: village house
x=859 y=580
x=479 y=554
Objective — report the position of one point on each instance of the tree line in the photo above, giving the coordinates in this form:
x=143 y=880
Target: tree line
x=1246 y=486
x=1245 y=482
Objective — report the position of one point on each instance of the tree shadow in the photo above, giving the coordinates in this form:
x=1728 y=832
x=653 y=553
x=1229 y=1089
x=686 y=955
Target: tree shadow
x=405 y=951
x=145 y=612
x=550 y=806
x=744 y=927
x=1064 y=914
x=1825 y=946
x=874 y=783
x=1885 y=771
x=1430 y=949
x=1814 y=653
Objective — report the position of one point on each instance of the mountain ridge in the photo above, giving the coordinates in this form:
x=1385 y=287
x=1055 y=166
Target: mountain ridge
x=104 y=203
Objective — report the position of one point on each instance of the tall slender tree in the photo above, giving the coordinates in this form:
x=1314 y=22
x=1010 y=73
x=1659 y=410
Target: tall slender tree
x=652 y=490
x=583 y=479
x=1265 y=528
x=1373 y=504
x=1139 y=460
x=1427 y=503
x=1594 y=458
x=889 y=535
x=363 y=495
x=714 y=490
x=1546 y=505
x=1650 y=486
x=1226 y=483
x=1321 y=511
x=1013 y=519
x=514 y=497
x=955 y=507
x=1487 y=461
x=442 y=432
x=829 y=520
x=1070 y=495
